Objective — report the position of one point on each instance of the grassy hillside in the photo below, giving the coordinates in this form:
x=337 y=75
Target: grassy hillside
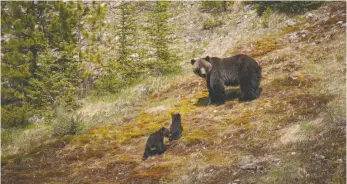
x=294 y=133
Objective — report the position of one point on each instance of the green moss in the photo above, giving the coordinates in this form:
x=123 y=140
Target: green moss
x=290 y=29
x=261 y=47
x=198 y=136
x=306 y=128
x=144 y=118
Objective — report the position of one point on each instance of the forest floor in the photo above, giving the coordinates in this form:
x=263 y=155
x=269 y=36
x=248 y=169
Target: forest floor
x=294 y=133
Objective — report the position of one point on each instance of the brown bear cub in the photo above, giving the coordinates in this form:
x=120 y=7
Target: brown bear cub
x=155 y=143
x=175 y=127
x=232 y=71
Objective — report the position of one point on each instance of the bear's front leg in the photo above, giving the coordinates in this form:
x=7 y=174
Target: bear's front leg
x=211 y=97
x=217 y=92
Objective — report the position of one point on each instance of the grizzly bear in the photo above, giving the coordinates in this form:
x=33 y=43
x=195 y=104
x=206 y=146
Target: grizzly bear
x=155 y=143
x=175 y=127
x=237 y=70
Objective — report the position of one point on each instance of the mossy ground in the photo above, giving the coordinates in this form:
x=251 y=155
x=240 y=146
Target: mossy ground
x=295 y=131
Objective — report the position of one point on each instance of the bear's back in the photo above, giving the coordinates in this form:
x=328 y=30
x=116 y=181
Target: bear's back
x=239 y=60
x=228 y=69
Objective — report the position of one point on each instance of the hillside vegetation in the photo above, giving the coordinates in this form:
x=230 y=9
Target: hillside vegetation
x=295 y=132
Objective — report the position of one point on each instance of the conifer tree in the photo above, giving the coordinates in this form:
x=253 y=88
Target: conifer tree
x=96 y=52
x=60 y=72
x=23 y=40
x=159 y=35
x=126 y=31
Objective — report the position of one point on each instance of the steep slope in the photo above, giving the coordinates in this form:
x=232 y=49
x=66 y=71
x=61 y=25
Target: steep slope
x=295 y=131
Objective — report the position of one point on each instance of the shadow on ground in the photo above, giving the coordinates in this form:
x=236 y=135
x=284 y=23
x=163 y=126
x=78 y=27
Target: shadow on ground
x=231 y=94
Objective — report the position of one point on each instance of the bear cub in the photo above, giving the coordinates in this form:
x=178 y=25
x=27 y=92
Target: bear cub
x=155 y=143
x=237 y=70
x=175 y=127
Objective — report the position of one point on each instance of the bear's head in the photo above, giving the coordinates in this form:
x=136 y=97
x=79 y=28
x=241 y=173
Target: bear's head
x=164 y=132
x=201 y=67
x=176 y=117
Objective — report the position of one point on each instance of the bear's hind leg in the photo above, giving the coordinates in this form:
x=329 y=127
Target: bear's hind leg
x=249 y=84
x=249 y=92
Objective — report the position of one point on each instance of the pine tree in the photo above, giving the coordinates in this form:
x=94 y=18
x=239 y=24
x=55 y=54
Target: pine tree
x=96 y=52
x=60 y=71
x=215 y=6
x=126 y=31
x=159 y=35
x=23 y=40
x=123 y=69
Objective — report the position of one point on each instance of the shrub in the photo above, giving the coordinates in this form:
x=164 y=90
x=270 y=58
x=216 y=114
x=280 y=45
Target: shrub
x=211 y=23
x=14 y=116
x=66 y=124
x=215 y=6
x=266 y=17
x=289 y=7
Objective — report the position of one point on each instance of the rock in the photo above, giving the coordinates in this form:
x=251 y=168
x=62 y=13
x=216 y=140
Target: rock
x=309 y=16
x=293 y=153
x=5 y=38
x=304 y=33
x=290 y=23
x=293 y=37
x=145 y=90
x=339 y=22
x=292 y=78
x=247 y=7
x=251 y=166
x=239 y=22
x=36 y=119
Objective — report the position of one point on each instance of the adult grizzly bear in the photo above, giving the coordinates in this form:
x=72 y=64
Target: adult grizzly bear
x=232 y=71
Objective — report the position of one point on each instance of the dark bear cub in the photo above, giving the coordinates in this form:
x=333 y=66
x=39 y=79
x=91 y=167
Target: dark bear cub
x=155 y=143
x=232 y=71
x=175 y=127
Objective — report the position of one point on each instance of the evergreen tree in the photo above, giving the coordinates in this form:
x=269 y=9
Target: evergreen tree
x=123 y=69
x=159 y=35
x=96 y=52
x=94 y=30
x=40 y=54
x=126 y=32
x=215 y=6
x=22 y=40
x=60 y=72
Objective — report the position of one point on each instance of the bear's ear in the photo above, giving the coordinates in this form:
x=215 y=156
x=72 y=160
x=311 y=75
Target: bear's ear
x=192 y=61
x=207 y=58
